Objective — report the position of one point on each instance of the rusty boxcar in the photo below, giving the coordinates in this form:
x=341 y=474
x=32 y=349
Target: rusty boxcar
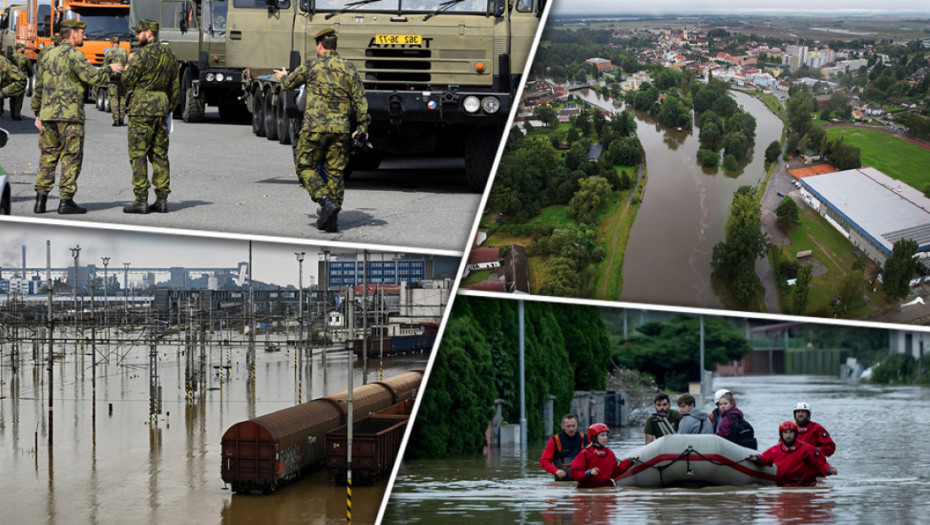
x=262 y=453
x=375 y=443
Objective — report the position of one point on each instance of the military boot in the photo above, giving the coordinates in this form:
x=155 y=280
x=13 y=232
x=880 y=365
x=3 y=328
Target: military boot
x=159 y=206
x=137 y=207
x=332 y=225
x=41 y=201
x=68 y=207
x=328 y=209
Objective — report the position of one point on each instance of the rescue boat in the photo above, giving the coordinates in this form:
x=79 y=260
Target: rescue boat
x=693 y=460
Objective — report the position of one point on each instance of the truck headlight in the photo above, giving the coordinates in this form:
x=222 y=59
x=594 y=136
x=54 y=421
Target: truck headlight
x=209 y=77
x=490 y=104
x=220 y=77
x=471 y=104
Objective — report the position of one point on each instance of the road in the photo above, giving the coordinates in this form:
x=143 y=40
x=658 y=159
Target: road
x=225 y=179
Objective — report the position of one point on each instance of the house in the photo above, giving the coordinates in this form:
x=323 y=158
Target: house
x=594 y=152
x=874 y=111
x=483 y=258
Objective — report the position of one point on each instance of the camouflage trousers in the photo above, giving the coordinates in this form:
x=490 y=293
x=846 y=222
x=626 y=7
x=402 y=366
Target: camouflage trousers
x=16 y=105
x=60 y=141
x=117 y=95
x=332 y=149
x=148 y=141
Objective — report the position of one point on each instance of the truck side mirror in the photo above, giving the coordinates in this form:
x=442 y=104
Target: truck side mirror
x=271 y=4
x=500 y=6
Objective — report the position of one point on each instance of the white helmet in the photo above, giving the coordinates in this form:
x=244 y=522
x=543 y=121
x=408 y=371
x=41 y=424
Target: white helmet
x=802 y=405
x=718 y=394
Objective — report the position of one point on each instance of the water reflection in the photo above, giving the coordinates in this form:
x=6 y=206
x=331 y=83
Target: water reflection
x=121 y=469
x=882 y=470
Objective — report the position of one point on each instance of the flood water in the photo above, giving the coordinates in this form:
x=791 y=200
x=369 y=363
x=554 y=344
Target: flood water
x=883 y=459
x=684 y=209
x=124 y=471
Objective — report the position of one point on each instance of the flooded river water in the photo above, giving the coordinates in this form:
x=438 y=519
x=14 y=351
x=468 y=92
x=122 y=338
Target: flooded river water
x=883 y=458
x=124 y=471
x=684 y=210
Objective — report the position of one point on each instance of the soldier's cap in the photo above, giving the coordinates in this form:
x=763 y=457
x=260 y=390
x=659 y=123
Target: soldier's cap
x=145 y=25
x=115 y=40
x=323 y=32
x=73 y=24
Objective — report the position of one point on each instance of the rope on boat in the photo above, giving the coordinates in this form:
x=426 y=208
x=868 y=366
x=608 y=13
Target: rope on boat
x=686 y=456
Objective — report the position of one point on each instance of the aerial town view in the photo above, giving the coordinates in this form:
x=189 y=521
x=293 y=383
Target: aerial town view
x=746 y=161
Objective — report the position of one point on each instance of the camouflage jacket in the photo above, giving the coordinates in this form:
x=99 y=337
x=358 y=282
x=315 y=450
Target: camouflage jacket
x=24 y=64
x=334 y=92
x=153 y=76
x=116 y=55
x=61 y=82
x=12 y=80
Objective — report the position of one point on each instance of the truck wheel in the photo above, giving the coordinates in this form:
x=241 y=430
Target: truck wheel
x=480 y=147
x=100 y=105
x=293 y=129
x=271 y=121
x=30 y=82
x=280 y=116
x=106 y=101
x=193 y=106
x=258 y=114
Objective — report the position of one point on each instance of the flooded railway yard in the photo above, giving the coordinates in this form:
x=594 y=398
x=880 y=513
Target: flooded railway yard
x=883 y=454
x=109 y=464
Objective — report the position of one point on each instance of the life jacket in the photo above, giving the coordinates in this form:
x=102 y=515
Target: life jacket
x=563 y=459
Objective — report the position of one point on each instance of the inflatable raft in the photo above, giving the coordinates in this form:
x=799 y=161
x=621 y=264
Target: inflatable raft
x=693 y=460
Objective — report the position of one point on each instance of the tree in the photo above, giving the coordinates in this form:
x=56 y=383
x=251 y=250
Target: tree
x=744 y=242
x=772 y=152
x=588 y=199
x=674 y=114
x=545 y=114
x=801 y=292
x=730 y=163
x=708 y=157
x=787 y=213
x=799 y=108
x=899 y=269
x=563 y=279
x=851 y=291
x=825 y=114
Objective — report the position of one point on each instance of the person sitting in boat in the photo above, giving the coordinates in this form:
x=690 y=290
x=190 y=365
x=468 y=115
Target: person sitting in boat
x=663 y=422
x=563 y=448
x=797 y=463
x=692 y=421
x=810 y=432
x=597 y=465
x=715 y=415
x=733 y=426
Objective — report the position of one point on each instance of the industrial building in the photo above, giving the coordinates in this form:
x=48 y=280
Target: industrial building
x=343 y=271
x=871 y=209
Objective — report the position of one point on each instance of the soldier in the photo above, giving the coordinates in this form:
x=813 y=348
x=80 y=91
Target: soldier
x=25 y=66
x=12 y=83
x=153 y=76
x=58 y=102
x=117 y=92
x=56 y=40
x=334 y=94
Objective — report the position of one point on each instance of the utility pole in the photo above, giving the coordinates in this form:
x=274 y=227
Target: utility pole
x=76 y=253
x=365 y=321
x=126 y=291
x=325 y=290
x=522 y=382
x=300 y=324
x=51 y=339
x=350 y=401
x=106 y=299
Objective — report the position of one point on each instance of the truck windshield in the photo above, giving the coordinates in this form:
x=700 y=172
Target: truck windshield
x=214 y=16
x=103 y=23
x=407 y=6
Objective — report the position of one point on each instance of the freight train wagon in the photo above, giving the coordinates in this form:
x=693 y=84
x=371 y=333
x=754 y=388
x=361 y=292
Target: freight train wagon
x=262 y=453
x=375 y=444
x=397 y=344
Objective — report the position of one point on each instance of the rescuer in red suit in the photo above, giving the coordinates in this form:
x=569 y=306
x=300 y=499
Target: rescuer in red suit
x=797 y=463
x=810 y=432
x=563 y=448
x=597 y=465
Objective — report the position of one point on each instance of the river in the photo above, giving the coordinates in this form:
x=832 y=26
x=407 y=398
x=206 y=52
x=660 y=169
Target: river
x=123 y=472
x=684 y=210
x=883 y=455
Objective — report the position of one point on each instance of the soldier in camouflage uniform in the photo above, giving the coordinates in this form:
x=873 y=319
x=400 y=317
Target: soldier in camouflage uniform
x=12 y=83
x=152 y=76
x=334 y=95
x=117 y=93
x=25 y=66
x=58 y=102
x=56 y=40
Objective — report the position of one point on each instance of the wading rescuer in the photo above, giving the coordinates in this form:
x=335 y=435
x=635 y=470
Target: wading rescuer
x=563 y=448
x=334 y=94
x=797 y=463
x=597 y=465
x=810 y=432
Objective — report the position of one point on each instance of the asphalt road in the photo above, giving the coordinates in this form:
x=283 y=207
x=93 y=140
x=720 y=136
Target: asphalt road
x=225 y=179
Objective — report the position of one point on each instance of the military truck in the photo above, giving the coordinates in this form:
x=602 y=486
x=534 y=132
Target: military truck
x=440 y=75
x=196 y=31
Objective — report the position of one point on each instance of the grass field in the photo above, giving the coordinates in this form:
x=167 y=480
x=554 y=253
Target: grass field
x=476 y=277
x=773 y=103
x=832 y=250
x=891 y=155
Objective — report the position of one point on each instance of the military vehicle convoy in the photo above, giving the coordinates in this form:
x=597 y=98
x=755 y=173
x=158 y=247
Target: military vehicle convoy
x=440 y=75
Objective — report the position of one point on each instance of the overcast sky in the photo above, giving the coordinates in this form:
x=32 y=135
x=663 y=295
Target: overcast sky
x=272 y=263
x=563 y=7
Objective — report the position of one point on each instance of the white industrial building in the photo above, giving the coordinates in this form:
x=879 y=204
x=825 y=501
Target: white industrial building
x=871 y=209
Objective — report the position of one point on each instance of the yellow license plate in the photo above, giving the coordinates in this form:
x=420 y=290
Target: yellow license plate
x=404 y=40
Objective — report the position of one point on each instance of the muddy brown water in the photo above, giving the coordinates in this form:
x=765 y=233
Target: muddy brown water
x=124 y=471
x=684 y=210
x=883 y=458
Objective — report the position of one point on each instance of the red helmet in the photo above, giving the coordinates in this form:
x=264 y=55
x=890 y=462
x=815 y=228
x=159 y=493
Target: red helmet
x=596 y=429
x=787 y=425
